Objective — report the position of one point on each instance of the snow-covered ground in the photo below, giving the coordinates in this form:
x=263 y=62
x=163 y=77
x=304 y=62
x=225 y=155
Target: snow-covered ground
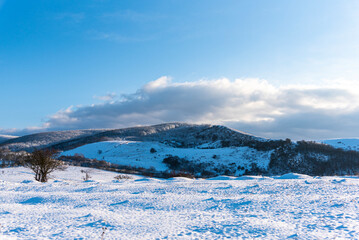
x=291 y=206
x=346 y=144
x=138 y=154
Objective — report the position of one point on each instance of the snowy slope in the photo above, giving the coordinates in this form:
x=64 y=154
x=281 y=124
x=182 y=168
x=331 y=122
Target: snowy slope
x=346 y=144
x=138 y=154
x=286 y=207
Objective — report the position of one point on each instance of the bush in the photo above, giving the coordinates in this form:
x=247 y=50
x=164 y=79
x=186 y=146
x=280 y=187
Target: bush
x=208 y=174
x=173 y=174
x=123 y=176
x=173 y=162
x=225 y=143
x=87 y=175
x=313 y=158
x=43 y=163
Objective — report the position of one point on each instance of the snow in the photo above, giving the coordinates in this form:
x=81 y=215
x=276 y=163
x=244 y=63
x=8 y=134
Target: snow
x=138 y=154
x=346 y=144
x=292 y=176
x=248 y=207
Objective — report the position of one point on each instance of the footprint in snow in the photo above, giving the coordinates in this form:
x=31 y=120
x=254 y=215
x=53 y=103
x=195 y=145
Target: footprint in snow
x=224 y=188
x=5 y=213
x=209 y=199
x=295 y=236
x=340 y=227
x=338 y=181
x=338 y=205
x=138 y=192
x=85 y=216
x=27 y=181
x=17 y=230
x=119 y=203
x=34 y=200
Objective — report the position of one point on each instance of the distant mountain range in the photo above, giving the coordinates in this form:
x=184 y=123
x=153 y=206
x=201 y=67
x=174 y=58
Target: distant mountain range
x=4 y=138
x=199 y=149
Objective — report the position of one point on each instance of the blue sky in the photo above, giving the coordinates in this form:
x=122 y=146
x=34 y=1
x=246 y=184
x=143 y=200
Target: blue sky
x=60 y=59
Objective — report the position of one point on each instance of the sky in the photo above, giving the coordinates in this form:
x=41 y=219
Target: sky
x=274 y=69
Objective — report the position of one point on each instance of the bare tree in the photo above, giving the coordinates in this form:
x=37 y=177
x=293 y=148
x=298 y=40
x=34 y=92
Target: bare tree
x=87 y=175
x=42 y=162
x=3 y=157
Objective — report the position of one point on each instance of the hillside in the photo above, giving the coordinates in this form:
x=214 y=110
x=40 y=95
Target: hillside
x=176 y=134
x=202 y=160
x=270 y=157
x=42 y=140
x=201 y=150
x=4 y=138
x=346 y=144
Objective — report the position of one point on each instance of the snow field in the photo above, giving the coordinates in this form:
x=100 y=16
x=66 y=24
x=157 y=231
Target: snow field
x=291 y=206
x=346 y=144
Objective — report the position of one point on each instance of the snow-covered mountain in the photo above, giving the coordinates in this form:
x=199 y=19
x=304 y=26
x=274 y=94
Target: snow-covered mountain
x=176 y=134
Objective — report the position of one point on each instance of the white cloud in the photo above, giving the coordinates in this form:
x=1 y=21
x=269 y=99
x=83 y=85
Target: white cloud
x=107 y=97
x=251 y=105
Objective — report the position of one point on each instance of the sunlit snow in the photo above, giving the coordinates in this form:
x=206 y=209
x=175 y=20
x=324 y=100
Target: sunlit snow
x=67 y=207
x=138 y=154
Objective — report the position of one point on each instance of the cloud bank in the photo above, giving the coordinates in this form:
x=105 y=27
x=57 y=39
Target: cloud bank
x=251 y=105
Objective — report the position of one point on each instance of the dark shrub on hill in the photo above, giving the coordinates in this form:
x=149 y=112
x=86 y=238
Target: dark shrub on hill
x=174 y=162
x=313 y=158
x=174 y=173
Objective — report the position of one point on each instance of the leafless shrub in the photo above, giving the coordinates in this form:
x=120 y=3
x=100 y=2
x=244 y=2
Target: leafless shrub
x=42 y=162
x=123 y=176
x=87 y=175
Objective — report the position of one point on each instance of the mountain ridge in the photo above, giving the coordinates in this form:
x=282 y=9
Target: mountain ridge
x=183 y=133
x=184 y=147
